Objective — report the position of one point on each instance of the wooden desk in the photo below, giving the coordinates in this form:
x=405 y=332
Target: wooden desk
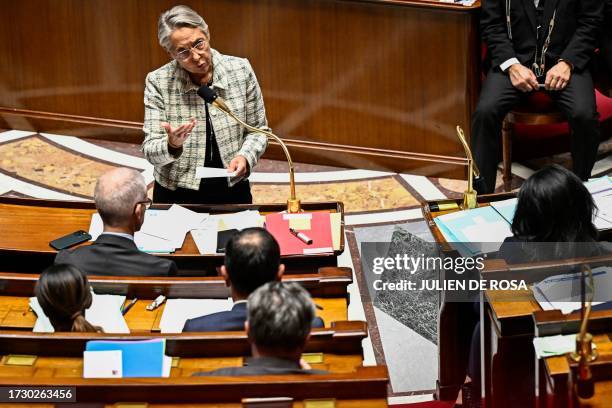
x=507 y=328
x=456 y=320
x=368 y=383
x=15 y=314
x=556 y=380
x=28 y=225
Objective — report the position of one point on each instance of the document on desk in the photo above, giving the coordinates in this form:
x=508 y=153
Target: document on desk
x=601 y=190
x=144 y=242
x=205 y=238
x=563 y=291
x=172 y=224
x=506 y=208
x=476 y=231
x=212 y=172
x=550 y=346
x=178 y=311
x=105 y=311
x=239 y=220
x=142 y=358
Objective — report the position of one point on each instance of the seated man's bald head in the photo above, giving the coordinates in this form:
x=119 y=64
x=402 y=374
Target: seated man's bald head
x=116 y=194
x=252 y=258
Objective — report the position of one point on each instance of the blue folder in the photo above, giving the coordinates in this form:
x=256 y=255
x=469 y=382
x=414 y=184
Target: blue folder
x=139 y=358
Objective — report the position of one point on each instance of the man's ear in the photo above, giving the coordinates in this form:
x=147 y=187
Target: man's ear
x=139 y=214
x=225 y=275
x=281 y=272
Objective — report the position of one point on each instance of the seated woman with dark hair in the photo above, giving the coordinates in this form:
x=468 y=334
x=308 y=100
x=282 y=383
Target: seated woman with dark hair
x=554 y=216
x=64 y=293
x=553 y=220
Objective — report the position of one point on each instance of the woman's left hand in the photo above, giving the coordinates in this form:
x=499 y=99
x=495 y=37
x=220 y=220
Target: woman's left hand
x=238 y=164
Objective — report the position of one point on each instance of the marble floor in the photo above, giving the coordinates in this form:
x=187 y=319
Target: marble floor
x=376 y=203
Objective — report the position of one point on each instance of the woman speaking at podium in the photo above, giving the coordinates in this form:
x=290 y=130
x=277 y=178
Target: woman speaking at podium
x=182 y=132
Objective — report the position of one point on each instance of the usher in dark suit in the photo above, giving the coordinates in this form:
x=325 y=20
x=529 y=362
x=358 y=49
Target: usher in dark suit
x=574 y=39
x=112 y=255
x=231 y=320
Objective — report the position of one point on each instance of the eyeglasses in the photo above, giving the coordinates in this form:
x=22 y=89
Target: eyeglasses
x=147 y=203
x=199 y=46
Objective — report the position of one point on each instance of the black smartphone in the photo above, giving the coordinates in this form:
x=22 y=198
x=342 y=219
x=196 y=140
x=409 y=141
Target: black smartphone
x=69 y=240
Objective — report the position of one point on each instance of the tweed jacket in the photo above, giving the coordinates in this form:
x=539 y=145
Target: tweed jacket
x=170 y=96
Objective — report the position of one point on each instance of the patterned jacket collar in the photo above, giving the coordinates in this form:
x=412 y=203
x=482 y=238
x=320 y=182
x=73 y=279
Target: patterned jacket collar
x=184 y=83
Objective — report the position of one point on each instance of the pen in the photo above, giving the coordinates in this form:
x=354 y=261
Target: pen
x=129 y=306
x=301 y=236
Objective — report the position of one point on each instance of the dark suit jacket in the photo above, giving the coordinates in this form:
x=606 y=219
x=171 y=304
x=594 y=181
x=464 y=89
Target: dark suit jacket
x=112 y=255
x=574 y=37
x=263 y=366
x=232 y=320
x=606 y=46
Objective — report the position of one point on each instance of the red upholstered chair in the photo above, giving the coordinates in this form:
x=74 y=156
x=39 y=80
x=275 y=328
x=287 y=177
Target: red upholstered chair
x=537 y=109
x=537 y=129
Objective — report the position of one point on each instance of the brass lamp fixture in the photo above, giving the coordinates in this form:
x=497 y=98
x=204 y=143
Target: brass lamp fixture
x=469 y=195
x=585 y=353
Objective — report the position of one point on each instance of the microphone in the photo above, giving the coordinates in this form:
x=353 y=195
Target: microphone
x=210 y=96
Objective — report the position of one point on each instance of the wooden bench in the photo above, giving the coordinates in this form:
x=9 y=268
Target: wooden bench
x=363 y=388
x=337 y=349
x=328 y=287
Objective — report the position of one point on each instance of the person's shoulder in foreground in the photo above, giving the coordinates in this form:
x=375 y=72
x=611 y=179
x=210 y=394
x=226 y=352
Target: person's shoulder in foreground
x=121 y=200
x=278 y=327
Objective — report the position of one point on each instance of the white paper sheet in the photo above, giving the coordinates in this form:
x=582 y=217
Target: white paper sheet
x=212 y=172
x=145 y=242
x=178 y=311
x=102 y=364
x=239 y=220
x=105 y=311
x=205 y=238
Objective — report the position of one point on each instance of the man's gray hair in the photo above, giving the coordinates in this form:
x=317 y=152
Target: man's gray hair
x=280 y=315
x=178 y=17
x=117 y=193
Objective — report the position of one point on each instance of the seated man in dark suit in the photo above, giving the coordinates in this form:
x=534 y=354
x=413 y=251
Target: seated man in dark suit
x=121 y=200
x=535 y=44
x=252 y=258
x=278 y=326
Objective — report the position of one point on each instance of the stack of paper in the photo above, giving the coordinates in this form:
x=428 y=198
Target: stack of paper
x=178 y=311
x=205 y=235
x=172 y=224
x=473 y=232
x=601 y=190
x=563 y=291
x=105 y=311
x=239 y=220
x=122 y=359
x=163 y=231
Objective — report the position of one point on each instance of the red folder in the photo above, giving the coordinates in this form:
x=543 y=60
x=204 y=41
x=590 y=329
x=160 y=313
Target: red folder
x=320 y=233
